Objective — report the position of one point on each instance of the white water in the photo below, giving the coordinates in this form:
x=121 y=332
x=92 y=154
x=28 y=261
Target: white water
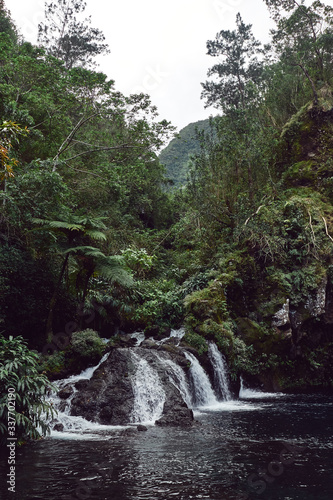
x=149 y=395
x=178 y=378
x=179 y=334
x=202 y=388
x=220 y=372
x=139 y=336
x=69 y=422
x=247 y=393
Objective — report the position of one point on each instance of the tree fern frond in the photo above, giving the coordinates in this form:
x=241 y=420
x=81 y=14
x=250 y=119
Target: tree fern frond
x=95 y=235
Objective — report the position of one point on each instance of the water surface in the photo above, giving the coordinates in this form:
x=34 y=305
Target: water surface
x=278 y=448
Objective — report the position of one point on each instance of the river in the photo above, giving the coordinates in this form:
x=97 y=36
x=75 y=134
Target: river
x=270 y=448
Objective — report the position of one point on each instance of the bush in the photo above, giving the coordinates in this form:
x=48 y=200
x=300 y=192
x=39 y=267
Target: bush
x=19 y=376
x=53 y=365
x=87 y=345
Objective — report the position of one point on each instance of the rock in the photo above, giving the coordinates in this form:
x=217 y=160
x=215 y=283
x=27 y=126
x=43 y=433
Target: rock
x=58 y=427
x=81 y=384
x=152 y=331
x=149 y=344
x=177 y=416
x=125 y=340
x=141 y=427
x=66 y=392
x=108 y=398
x=281 y=317
x=129 y=431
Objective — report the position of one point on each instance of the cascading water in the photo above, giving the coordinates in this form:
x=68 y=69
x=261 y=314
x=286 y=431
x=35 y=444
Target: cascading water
x=64 y=419
x=178 y=378
x=247 y=393
x=203 y=393
x=148 y=388
x=149 y=395
x=220 y=372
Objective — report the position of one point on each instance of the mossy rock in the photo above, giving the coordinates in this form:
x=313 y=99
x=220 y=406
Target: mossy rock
x=302 y=173
x=309 y=132
x=265 y=340
x=207 y=303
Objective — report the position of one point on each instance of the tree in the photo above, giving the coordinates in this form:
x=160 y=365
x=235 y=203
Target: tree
x=304 y=40
x=75 y=42
x=92 y=262
x=238 y=91
x=22 y=391
x=240 y=71
x=71 y=232
x=6 y=24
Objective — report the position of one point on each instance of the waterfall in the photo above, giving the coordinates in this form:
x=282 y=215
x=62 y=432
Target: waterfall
x=85 y=374
x=179 y=334
x=220 y=372
x=149 y=395
x=247 y=393
x=202 y=388
x=63 y=407
x=178 y=378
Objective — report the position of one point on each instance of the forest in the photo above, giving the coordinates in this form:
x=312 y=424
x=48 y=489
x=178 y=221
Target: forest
x=98 y=240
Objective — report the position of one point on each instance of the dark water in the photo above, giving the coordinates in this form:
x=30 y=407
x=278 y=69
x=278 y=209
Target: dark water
x=274 y=449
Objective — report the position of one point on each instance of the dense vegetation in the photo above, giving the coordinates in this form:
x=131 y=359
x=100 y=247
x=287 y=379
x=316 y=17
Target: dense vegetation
x=242 y=254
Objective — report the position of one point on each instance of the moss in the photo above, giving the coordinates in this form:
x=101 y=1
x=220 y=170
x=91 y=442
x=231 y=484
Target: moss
x=308 y=132
x=197 y=341
x=207 y=303
x=54 y=365
x=300 y=174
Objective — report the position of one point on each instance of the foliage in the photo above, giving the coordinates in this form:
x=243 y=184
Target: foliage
x=90 y=233
x=6 y=24
x=138 y=261
x=67 y=38
x=87 y=344
x=157 y=302
x=19 y=371
x=239 y=72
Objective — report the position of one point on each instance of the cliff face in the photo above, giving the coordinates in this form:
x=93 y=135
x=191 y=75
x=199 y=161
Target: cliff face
x=274 y=319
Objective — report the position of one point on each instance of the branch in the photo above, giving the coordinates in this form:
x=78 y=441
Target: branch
x=69 y=138
x=326 y=229
x=252 y=215
x=100 y=149
x=85 y=171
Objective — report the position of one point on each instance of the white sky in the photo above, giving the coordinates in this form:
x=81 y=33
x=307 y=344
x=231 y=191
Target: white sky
x=158 y=46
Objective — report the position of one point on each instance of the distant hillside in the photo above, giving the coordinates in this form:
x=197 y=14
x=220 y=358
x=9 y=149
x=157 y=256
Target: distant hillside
x=176 y=156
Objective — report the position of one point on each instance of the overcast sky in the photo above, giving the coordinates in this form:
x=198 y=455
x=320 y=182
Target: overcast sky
x=158 y=46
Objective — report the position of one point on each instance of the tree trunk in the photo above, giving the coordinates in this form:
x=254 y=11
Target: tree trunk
x=314 y=90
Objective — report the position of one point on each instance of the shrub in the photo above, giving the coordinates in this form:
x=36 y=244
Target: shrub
x=19 y=376
x=87 y=344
